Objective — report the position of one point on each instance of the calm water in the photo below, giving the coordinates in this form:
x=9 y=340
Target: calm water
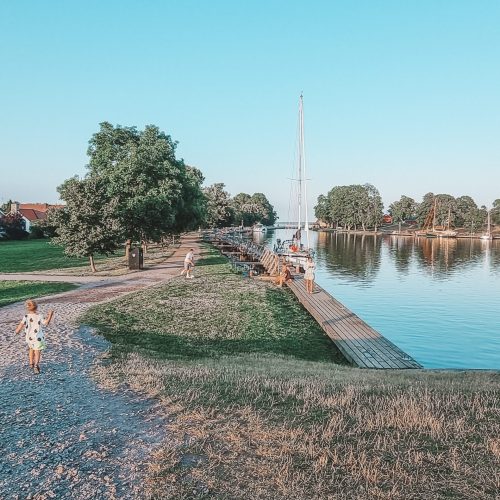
x=438 y=300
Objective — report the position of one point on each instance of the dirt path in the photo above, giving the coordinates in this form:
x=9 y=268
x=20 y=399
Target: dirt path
x=62 y=436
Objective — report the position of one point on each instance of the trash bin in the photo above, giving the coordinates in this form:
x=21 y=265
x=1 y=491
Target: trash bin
x=135 y=258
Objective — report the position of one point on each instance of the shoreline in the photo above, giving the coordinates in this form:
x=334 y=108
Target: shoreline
x=402 y=234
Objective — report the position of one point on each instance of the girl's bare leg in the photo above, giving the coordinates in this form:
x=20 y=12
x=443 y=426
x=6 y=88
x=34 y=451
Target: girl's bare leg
x=30 y=355
x=37 y=357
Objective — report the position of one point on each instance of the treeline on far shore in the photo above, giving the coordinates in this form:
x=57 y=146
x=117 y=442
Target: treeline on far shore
x=360 y=207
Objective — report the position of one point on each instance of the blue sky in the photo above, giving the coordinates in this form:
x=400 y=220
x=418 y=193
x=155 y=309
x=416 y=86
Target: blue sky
x=401 y=94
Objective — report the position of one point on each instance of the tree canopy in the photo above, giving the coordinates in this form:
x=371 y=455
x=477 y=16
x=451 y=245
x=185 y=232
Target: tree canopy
x=248 y=210
x=87 y=225
x=351 y=206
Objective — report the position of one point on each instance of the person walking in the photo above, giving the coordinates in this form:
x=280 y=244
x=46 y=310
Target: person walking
x=309 y=267
x=33 y=324
x=188 y=264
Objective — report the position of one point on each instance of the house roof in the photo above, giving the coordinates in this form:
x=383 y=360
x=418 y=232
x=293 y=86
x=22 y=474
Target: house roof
x=40 y=207
x=31 y=215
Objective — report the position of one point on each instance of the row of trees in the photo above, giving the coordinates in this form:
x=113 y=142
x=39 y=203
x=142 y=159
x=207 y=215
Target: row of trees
x=360 y=207
x=353 y=207
x=137 y=190
x=458 y=212
x=243 y=209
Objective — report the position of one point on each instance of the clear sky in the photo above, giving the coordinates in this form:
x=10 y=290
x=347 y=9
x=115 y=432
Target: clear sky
x=404 y=94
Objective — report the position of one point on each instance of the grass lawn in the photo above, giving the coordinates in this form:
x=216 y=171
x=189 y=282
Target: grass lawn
x=34 y=255
x=261 y=408
x=14 y=291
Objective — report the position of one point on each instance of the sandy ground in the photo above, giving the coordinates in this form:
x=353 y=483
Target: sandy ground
x=61 y=435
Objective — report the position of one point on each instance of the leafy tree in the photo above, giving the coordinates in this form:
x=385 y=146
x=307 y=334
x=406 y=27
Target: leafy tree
x=219 y=212
x=241 y=208
x=446 y=208
x=321 y=210
x=252 y=209
x=403 y=209
x=465 y=205
x=475 y=219
x=142 y=174
x=12 y=226
x=373 y=208
x=424 y=208
x=87 y=225
x=191 y=208
x=264 y=209
x=351 y=206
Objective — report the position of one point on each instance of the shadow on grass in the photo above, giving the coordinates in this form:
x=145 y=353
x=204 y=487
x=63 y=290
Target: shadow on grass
x=213 y=260
x=175 y=347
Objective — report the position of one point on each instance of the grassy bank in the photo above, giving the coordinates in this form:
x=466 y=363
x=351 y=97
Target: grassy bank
x=40 y=255
x=34 y=255
x=260 y=407
x=14 y=291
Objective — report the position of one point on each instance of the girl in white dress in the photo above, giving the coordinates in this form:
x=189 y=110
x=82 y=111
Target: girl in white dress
x=33 y=324
x=309 y=275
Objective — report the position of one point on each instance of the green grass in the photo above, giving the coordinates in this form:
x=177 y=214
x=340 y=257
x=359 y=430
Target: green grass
x=14 y=291
x=217 y=314
x=258 y=403
x=35 y=255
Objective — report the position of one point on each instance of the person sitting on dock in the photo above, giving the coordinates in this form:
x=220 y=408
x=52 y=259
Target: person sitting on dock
x=284 y=276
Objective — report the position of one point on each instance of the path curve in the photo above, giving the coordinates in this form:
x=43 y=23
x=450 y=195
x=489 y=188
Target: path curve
x=61 y=435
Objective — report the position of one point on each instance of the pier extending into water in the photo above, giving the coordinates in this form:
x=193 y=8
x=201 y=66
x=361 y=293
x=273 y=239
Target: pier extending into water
x=360 y=344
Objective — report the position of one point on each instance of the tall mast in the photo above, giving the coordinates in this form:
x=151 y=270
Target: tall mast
x=299 y=168
x=434 y=215
x=303 y=142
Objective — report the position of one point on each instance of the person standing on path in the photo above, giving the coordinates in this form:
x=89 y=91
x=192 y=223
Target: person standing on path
x=33 y=324
x=188 y=264
x=309 y=275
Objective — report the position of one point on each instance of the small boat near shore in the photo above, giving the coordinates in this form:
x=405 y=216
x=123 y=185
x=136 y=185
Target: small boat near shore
x=429 y=228
x=487 y=236
x=259 y=228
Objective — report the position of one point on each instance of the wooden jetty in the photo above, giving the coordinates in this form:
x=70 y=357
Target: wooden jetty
x=361 y=345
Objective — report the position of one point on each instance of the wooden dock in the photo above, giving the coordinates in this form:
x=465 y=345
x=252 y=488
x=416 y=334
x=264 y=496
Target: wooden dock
x=361 y=345
x=357 y=341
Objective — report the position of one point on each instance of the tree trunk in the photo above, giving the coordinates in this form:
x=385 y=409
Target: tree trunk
x=128 y=244
x=92 y=263
x=144 y=247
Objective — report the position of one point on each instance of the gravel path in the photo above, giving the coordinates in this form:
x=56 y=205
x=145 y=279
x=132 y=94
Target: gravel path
x=61 y=435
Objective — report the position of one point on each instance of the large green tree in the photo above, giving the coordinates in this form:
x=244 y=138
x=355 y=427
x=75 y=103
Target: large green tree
x=87 y=225
x=141 y=172
x=219 y=212
x=251 y=209
x=351 y=206
x=403 y=209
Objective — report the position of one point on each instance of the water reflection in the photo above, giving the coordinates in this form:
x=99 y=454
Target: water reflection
x=358 y=257
x=354 y=256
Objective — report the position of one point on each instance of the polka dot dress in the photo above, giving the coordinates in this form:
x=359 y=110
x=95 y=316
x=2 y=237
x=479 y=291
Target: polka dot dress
x=33 y=327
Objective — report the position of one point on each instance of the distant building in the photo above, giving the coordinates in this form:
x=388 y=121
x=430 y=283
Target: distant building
x=31 y=212
x=387 y=219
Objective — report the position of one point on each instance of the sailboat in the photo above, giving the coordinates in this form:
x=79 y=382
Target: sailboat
x=430 y=230
x=488 y=236
x=296 y=251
